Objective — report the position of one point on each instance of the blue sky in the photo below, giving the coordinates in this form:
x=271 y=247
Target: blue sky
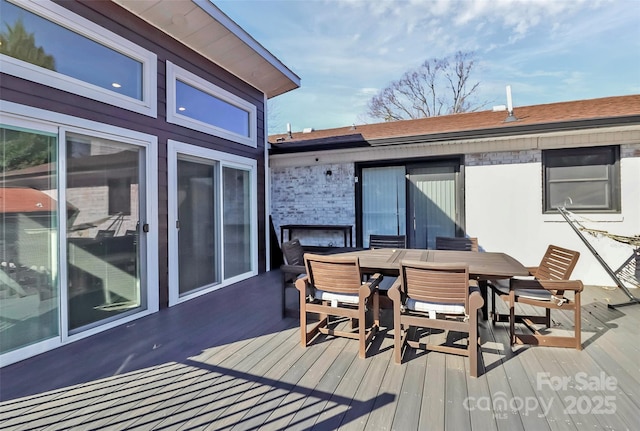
x=345 y=51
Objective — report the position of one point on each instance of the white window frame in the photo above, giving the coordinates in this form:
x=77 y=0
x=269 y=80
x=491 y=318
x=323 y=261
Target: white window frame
x=59 y=15
x=224 y=160
x=51 y=122
x=174 y=73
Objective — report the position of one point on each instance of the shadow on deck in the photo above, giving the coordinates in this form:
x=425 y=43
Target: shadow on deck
x=227 y=360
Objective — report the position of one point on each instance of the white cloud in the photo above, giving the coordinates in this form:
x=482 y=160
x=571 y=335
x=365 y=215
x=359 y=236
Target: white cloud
x=345 y=50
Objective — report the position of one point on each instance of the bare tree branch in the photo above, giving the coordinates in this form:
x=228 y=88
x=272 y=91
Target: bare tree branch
x=438 y=86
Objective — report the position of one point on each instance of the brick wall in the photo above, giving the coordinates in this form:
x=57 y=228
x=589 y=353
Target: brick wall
x=309 y=195
x=504 y=157
x=530 y=156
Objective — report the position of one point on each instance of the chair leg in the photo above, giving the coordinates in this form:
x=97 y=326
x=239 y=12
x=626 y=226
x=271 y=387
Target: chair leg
x=578 y=321
x=473 y=345
x=376 y=310
x=512 y=317
x=397 y=334
x=284 y=296
x=362 y=331
x=493 y=306
x=548 y=317
x=303 y=320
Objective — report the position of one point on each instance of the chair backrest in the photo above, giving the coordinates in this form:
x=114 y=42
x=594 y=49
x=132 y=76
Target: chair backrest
x=293 y=252
x=557 y=264
x=435 y=282
x=387 y=241
x=102 y=233
x=334 y=273
x=456 y=243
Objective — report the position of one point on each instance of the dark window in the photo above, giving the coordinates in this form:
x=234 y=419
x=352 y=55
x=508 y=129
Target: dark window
x=120 y=196
x=582 y=179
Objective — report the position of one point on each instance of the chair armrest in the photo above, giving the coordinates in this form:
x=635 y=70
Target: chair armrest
x=573 y=285
x=302 y=283
x=475 y=301
x=371 y=284
x=293 y=269
x=394 y=291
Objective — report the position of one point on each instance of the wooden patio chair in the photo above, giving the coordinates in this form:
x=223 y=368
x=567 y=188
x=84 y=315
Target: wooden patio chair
x=293 y=267
x=430 y=295
x=387 y=241
x=456 y=243
x=546 y=289
x=333 y=287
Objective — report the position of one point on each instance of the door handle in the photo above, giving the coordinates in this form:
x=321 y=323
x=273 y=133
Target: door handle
x=145 y=228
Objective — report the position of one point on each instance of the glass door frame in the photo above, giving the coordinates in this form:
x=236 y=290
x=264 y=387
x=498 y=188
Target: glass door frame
x=175 y=149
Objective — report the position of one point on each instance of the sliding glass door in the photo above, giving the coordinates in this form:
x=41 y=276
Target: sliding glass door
x=383 y=202
x=29 y=293
x=73 y=233
x=433 y=204
x=197 y=224
x=421 y=201
x=212 y=219
x=103 y=180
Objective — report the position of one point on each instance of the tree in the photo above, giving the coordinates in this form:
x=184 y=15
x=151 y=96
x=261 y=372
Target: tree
x=18 y=43
x=439 y=86
x=20 y=150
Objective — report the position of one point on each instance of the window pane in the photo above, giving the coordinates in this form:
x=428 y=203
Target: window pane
x=582 y=179
x=579 y=172
x=237 y=221
x=197 y=237
x=36 y=40
x=201 y=106
x=383 y=202
x=102 y=246
x=576 y=195
x=29 y=295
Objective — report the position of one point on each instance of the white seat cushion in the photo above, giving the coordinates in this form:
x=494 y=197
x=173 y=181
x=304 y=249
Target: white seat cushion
x=502 y=285
x=436 y=307
x=536 y=294
x=335 y=298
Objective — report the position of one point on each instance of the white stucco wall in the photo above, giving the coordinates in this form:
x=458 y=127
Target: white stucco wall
x=504 y=210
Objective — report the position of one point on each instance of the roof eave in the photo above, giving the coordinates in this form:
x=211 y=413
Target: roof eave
x=512 y=130
x=248 y=60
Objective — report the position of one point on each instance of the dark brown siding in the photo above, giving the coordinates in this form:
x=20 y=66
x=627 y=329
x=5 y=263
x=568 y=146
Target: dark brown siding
x=166 y=48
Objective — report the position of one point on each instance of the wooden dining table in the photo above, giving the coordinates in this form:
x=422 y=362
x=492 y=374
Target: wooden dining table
x=483 y=266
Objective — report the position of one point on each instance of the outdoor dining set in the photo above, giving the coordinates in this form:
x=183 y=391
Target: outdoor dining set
x=445 y=289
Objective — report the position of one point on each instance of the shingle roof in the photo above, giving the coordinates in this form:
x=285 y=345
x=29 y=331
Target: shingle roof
x=547 y=114
x=23 y=200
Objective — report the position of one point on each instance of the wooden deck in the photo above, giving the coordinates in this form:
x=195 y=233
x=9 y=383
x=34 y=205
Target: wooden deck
x=228 y=361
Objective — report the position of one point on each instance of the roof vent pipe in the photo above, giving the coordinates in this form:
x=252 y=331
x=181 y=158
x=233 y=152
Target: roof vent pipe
x=510 y=116
x=289 y=130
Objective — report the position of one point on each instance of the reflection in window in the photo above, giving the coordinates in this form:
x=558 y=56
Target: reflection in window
x=29 y=297
x=237 y=221
x=36 y=40
x=202 y=106
x=102 y=241
x=198 y=253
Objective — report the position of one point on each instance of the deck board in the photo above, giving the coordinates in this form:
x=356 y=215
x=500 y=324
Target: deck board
x=227 y=360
